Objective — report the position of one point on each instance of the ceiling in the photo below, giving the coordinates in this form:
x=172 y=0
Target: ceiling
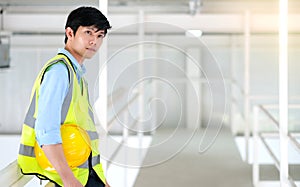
x=213 y=16
x=173 y=6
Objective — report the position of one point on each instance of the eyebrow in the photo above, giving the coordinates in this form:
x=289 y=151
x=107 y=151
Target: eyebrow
x=96 y=29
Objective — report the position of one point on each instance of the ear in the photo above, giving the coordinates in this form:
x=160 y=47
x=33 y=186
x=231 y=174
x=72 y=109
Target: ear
x=69 y=33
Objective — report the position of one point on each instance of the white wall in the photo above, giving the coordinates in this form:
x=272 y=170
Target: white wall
x=16 y=83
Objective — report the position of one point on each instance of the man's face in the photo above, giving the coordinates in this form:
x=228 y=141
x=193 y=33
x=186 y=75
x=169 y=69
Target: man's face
x=85 y=43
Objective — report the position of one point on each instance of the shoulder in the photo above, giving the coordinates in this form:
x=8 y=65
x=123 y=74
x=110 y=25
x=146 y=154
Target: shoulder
x=57 y=67
x=58 y=71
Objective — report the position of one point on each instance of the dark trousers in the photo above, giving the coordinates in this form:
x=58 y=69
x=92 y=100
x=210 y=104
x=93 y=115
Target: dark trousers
x=94 y=180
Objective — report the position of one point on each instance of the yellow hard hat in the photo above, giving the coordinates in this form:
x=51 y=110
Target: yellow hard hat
x=76 y=147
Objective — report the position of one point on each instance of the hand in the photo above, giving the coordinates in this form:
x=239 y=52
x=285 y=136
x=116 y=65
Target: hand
x=106 y=183
x=73 y=182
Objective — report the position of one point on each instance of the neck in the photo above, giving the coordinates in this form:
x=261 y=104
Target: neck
x=75 y=55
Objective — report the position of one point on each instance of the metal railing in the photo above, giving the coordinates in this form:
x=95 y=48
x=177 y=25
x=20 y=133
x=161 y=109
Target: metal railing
x=11 y=176
x=259 y=136
x=238 y=101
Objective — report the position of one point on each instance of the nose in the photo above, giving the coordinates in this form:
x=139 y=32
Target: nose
x=93 y=40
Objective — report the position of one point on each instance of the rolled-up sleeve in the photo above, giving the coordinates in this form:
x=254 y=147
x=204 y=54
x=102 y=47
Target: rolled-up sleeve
x=52 y=93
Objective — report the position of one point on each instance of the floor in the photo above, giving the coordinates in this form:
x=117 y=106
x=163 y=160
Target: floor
x=220 y=165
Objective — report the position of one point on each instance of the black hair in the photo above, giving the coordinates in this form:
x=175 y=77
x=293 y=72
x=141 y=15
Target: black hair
x=86 y=16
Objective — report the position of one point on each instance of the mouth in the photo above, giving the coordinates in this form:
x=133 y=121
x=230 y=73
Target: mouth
x=91 y=49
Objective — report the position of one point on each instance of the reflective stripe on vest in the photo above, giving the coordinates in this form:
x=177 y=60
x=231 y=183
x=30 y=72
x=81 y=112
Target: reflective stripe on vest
x=95 y=161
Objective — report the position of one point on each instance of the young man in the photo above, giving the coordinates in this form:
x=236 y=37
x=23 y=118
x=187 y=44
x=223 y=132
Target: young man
x=59 y=101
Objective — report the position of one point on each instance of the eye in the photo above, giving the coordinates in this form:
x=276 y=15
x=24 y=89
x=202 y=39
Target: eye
x=101 y=35
x=88 y=32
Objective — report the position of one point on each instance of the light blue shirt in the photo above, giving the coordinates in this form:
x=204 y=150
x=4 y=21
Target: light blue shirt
x=53 y=91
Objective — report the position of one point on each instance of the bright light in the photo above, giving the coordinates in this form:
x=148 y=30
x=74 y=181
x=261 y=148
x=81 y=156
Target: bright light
x=193 y=33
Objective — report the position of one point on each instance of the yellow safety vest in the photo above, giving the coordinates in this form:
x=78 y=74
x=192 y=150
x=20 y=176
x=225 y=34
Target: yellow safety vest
x=76 y=109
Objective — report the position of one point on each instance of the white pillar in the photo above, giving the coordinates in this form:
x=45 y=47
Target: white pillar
x=246 y=81
x=102 y=113
x=125 y=147
x=102 y=108
x=141 y=35
x=255 y=166
x=283 y=91
x=154 y=87
x=232 y=87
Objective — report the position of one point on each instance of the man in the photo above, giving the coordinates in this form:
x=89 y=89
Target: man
x=60 y=99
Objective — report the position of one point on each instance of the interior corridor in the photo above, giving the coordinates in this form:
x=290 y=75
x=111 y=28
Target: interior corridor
x=219 y=166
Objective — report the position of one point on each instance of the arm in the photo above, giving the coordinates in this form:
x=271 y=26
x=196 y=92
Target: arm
x=52 y=93
x=57 y=158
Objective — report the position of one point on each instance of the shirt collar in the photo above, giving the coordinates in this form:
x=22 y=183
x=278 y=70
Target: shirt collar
x=80 y=69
